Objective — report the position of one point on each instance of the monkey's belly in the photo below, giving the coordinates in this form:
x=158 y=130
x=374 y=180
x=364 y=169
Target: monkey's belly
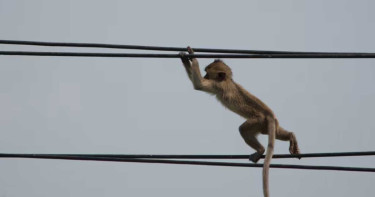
x=245 y=111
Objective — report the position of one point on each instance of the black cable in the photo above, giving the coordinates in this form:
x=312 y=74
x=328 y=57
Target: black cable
x=137 y=47
x=137 y=55
x=206 y=163
x=152 y=156
x=276 y=156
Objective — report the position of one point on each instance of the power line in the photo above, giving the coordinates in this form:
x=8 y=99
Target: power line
x=180 y=162
x=153 y=156
x=157 y=48
x=138 y=55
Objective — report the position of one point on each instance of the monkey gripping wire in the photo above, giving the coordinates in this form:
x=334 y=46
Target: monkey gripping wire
x=166 y=159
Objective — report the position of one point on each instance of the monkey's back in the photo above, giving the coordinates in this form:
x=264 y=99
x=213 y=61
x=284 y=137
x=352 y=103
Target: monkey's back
x=240 y=101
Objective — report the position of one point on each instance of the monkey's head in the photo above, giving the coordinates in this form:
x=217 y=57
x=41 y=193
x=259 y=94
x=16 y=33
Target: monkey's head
x=218 y=71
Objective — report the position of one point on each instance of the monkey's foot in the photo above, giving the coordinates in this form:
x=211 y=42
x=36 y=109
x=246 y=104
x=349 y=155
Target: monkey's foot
x=255 y=157
x=293 y=149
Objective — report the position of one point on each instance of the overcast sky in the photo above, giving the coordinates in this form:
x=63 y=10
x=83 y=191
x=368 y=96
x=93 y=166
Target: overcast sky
x=148 y=106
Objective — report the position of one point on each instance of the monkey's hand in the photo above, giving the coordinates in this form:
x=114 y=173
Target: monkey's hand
x=193 y=60
x=190 y=50
x=185 y=60
x=187 y=64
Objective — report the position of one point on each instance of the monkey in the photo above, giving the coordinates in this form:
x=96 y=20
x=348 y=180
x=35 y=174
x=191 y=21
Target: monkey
x=259 y=117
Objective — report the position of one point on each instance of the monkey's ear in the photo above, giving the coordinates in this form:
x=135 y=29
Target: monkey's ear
x=221 y=76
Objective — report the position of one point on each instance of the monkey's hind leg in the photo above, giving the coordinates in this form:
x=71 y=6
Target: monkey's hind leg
x=282 y=134
x=249 y=131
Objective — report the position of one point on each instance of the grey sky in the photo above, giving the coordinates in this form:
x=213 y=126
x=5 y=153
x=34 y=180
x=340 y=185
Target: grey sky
x=104 y=105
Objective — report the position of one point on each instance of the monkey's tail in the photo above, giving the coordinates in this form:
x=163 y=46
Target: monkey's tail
x=271 y=126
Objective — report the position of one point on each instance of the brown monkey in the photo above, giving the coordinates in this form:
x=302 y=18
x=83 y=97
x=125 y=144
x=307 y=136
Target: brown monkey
x=259 y=117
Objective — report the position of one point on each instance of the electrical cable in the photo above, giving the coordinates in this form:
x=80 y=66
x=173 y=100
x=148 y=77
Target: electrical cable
x=138 y=55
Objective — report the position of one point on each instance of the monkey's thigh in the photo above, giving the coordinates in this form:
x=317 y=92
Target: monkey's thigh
x=249 y=130
x=253 y=126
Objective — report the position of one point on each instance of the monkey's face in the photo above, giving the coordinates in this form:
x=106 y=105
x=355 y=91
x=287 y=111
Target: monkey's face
x=218 y=71
x=215 y=75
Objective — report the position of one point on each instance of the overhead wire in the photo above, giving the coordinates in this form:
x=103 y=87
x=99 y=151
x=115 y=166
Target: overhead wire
x=201 y=156
x=114 y=158
x=139 y=55
x=230 y=53
x=154 y=48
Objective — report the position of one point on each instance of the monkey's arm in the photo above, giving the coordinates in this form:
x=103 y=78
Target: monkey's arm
x=199 y=82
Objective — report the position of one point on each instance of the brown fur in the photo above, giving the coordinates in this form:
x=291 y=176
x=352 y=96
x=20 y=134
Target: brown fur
x=259 y=117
